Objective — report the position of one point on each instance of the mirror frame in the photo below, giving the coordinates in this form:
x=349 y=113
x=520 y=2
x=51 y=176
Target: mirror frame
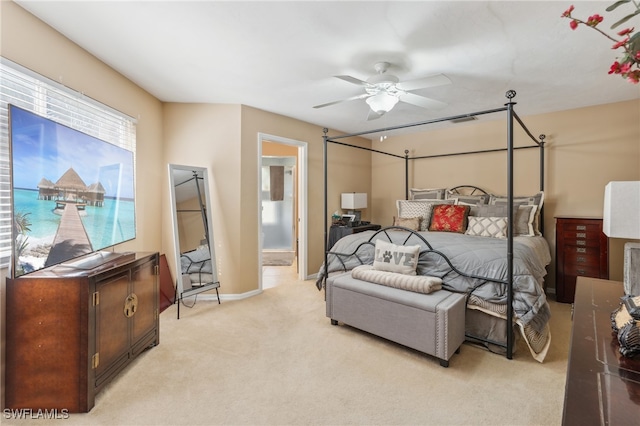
x=180 y=291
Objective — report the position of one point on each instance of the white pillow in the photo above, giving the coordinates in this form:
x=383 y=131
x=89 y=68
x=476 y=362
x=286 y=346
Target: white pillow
x=394 y=258
x=494 y=227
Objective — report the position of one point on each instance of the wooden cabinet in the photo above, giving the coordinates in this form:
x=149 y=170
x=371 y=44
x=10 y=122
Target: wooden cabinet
x=602 y=387
x=581 y=250
x=69 y=332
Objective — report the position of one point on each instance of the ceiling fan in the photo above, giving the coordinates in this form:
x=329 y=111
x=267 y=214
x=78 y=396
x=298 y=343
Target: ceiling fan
x=383 y=91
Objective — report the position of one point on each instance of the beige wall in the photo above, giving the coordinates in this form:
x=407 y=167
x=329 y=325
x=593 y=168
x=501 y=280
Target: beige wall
x=224 y=138
x=274 y=149
x=585 y=149
x=208 y=136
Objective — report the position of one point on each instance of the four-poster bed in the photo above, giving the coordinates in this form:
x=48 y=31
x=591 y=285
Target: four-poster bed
x=488 y=282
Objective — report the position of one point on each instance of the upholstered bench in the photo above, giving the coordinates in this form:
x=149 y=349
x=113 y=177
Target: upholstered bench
x=432 y=323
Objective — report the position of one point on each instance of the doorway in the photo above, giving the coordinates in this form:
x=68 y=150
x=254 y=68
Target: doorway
x=279 y=198
x=282 y=204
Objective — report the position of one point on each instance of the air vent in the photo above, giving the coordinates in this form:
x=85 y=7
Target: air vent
x=464 y=119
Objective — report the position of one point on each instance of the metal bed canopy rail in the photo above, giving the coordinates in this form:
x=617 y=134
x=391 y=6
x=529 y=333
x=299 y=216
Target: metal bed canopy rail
x=511 y=117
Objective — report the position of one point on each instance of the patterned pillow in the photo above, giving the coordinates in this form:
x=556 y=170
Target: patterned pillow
x=533 y=200
x=419 y=208
x=448 y=218
x=494 y=227
x=523 y=224
x=470 y=200
x=466 y=201
x=412 y=223
x=394 y=258
x=427 y=194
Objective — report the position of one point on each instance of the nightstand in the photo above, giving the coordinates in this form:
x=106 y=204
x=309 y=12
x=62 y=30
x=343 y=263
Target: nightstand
x=336 y=232
x=581 y=250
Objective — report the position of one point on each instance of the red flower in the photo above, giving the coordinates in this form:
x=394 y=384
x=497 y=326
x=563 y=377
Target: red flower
x=626 y=31
x=594 y=20
x=567 y=13
x=629 y=66
x=615 y=68
x=634 y=77
x=620 y=43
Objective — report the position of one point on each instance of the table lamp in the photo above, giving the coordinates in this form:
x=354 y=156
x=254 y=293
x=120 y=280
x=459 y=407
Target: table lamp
x=352 y=202
x=621 y=219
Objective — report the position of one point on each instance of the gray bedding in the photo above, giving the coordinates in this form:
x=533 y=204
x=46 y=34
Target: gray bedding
x=196 y=261
x=480 y=256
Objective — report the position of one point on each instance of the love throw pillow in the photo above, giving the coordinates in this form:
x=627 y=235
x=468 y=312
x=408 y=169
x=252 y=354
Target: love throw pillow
x=394 y=258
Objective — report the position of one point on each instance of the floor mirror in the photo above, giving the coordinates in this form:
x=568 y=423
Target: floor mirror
x=195 y=260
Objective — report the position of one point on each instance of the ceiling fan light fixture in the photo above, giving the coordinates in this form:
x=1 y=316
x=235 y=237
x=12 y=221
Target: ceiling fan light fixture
x=382 y=102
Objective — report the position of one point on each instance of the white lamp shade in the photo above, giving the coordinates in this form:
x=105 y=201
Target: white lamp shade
x=382 y=102
x=621 y=216
x=354 y=200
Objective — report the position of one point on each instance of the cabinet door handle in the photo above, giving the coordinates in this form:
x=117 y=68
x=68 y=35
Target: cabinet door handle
x=130 y=305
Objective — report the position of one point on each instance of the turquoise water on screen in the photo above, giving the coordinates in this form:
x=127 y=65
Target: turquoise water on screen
x=105 y=226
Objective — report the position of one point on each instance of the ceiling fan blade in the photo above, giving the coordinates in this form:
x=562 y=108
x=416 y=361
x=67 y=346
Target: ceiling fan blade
x=353 y=80
x=423 y=83
x=421 y=101
x=353 y=98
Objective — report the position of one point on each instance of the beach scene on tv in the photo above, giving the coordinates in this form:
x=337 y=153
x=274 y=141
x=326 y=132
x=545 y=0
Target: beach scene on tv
x=73 y=194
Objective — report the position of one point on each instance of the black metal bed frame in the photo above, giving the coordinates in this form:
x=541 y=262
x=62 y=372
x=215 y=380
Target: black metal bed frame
x=511 y=117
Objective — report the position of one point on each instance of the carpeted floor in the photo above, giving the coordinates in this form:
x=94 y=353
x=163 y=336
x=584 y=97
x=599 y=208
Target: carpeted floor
x=274 y=359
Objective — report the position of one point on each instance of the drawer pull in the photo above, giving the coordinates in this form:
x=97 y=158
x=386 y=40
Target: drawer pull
x=581 y=242
x=581 y=271
x=581 y=259
x=581 y=227
x=581 y=250
x=581 y=235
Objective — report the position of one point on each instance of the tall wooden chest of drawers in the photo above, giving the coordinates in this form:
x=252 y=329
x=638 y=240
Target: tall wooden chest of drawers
x=581 y=250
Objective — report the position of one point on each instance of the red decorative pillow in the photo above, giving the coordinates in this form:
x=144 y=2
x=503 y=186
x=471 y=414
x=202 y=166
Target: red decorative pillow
x=449 y=218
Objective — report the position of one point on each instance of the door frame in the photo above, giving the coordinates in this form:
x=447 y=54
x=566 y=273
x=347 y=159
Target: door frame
x=301 y=195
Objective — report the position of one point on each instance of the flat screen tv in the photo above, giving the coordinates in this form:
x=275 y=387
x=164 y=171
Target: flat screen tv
x=72 y=195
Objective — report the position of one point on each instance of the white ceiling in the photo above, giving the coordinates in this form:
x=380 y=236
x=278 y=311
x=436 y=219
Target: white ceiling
x=282 y=56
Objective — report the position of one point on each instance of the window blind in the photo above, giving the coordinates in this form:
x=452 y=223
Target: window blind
x=26 y=89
